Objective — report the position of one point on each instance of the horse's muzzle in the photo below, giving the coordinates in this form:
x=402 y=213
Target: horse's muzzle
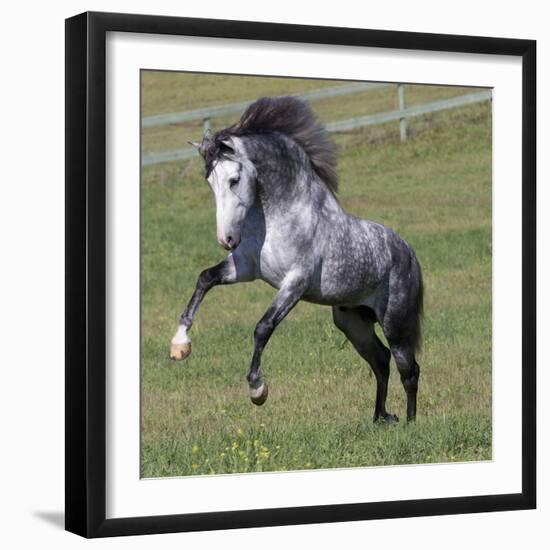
x=229 y=243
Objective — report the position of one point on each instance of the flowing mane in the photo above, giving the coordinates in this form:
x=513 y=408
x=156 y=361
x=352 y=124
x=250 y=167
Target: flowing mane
x=294 y=118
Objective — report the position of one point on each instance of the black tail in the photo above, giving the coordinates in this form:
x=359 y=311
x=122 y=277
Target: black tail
x=417 y=304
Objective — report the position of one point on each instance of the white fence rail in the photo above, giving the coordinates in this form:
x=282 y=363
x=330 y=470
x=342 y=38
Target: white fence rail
x=222 y=110
x=400 y=114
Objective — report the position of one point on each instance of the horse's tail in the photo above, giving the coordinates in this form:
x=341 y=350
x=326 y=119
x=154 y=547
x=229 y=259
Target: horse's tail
x=416 y=304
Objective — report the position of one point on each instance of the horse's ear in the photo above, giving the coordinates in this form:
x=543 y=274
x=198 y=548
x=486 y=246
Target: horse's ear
x=199 y=147
x=228 y=144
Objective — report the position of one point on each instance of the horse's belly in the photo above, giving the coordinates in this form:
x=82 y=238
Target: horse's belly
x=340 y=296
x=341 y=284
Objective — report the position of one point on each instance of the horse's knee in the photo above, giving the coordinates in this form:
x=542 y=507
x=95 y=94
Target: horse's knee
x=206 y=279
x=262 y=331
x=209 y=277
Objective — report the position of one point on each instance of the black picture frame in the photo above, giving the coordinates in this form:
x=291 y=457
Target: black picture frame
x=86 y=274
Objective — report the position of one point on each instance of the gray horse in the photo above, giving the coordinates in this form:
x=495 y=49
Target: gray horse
x=273 y=175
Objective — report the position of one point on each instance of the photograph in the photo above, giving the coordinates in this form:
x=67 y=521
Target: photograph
x=315 y=274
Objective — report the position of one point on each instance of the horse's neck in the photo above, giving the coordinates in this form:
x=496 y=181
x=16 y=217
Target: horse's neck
x=281 y=198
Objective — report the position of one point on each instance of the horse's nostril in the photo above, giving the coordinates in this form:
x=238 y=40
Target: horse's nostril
x=229 y=239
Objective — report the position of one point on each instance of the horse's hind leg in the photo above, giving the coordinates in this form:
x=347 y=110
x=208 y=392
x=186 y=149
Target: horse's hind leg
x=409 y=370
x=402 y=347
x=358 y=327
x=401 y=325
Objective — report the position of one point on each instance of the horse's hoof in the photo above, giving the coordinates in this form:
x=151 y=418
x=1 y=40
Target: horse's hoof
x=387 y=419
x=258 y=396
x=180 y=351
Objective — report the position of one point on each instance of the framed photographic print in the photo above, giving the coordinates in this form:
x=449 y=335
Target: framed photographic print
x=343 y=223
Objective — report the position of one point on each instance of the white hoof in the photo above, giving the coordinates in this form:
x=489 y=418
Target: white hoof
x=180 y=351
x=181 y=344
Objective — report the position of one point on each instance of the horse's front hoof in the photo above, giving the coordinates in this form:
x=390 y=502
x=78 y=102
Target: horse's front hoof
x=178 y=352
x=258 y=396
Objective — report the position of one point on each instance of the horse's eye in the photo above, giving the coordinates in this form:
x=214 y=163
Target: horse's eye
x=233 y=181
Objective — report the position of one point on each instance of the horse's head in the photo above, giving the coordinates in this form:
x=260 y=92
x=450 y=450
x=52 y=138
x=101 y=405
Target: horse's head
x=232 y=177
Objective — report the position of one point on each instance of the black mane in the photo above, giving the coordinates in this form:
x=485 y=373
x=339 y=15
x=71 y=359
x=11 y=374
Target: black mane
x=294 y=118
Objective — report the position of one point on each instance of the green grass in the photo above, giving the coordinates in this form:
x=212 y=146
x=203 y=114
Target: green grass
x=435 y=189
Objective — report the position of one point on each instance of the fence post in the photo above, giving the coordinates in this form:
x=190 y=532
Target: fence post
x=402 y=120
x=205 y=126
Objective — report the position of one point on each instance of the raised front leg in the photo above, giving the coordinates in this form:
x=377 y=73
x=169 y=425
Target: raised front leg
x=235 y=268
x=288 y=296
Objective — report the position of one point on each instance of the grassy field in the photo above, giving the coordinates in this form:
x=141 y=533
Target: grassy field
x=435 y=189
